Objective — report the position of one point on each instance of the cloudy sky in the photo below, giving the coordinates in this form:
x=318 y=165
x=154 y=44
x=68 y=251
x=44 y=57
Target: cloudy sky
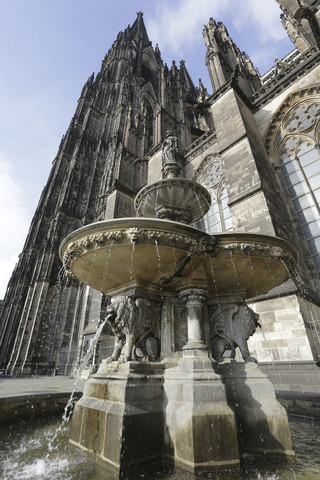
x=48 y=49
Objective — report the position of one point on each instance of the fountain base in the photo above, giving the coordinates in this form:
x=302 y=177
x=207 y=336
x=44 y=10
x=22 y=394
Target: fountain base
x=118 y=421
x=198 y=415
x=262 y=422
x=199 y=427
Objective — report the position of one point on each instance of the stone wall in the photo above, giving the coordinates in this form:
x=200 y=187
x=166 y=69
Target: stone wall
x=283 y=334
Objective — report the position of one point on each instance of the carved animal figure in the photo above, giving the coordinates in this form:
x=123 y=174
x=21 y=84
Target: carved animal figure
x=231 y=326
x=135 y=323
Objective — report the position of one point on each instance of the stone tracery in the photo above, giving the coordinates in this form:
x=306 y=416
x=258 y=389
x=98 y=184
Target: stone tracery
x=292 y=141
x=210 y=174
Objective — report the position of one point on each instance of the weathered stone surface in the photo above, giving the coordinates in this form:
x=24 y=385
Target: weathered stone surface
x=199 y=426
x=119 y=420
x=261 y=421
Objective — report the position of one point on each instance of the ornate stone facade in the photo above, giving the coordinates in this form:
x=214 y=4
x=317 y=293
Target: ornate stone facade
x=232 y=142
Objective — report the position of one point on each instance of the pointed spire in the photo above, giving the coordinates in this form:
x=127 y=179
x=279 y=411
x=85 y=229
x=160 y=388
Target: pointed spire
x=186 y=80
x=226 y=64
x=202 y=92
x=138 y=29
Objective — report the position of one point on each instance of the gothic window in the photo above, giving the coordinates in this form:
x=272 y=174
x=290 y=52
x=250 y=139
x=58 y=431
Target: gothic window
x=299 y=156
x=148 y=129
x=218 y=218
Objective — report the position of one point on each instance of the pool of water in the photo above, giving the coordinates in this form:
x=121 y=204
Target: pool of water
x=39 y=450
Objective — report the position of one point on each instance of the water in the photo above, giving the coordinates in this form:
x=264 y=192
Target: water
x=32 y=450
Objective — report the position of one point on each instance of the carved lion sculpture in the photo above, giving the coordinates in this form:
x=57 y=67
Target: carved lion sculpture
x=135 y=323
x=231 y=326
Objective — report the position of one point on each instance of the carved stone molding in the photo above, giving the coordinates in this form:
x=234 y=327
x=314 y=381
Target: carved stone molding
x=194 y=295
x=204 y=243
x=200 y=145
x=258 y=250
x=277 y=128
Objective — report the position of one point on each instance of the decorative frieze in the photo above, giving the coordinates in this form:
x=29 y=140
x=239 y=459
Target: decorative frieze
x=198 y=245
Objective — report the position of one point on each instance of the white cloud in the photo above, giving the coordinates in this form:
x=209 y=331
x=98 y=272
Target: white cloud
x=263 y=17
x=179 y=25
x=252 y=25
x=14 y=219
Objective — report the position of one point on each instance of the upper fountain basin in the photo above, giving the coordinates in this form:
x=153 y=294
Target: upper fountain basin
x=161 y=255
x=174 y=199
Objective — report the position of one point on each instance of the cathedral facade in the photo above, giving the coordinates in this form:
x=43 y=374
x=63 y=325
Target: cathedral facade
x=254 y=144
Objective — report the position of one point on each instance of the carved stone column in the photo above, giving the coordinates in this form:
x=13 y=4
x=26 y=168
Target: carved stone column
x=171 y=170
x=194 y=298
x=199 y=426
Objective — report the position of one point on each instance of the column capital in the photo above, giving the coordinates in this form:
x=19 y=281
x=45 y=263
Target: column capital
x=193 y=295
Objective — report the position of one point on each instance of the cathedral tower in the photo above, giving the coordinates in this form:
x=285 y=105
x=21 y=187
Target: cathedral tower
x=301 y=20
x=225 y=61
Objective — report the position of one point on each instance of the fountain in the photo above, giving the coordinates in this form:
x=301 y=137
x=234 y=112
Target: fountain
x=190 y=406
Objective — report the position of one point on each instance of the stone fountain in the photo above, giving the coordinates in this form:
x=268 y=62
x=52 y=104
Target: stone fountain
x=151 y=399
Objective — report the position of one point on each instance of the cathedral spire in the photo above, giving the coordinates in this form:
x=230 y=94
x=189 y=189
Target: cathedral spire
x=225 y=61
x=188 y=84
x=138 y=30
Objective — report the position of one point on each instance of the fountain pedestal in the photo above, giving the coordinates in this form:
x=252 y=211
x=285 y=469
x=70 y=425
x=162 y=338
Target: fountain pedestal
x=118 y=420
x=199 y=426
x=262 y=422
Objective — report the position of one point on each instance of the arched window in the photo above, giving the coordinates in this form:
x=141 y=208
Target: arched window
x=297 y=151
x=218 y=218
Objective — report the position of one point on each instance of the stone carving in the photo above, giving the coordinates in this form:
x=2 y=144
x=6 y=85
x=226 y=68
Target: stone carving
x=134 y=235
x=169 y=148
x=273 y=252
x=135 y=323
x=231 y=325
x=201 y=144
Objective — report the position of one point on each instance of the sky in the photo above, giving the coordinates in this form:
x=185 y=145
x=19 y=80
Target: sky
x=49 y=48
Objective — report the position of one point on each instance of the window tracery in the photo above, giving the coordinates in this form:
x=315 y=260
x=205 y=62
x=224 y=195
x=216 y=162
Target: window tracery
x=218 y=218
x=295 y=149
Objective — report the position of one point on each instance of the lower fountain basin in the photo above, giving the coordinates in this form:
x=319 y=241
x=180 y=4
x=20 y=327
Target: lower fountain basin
x=114 y=255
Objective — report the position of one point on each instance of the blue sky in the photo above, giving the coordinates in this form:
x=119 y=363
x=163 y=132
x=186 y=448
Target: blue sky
x=48 y=49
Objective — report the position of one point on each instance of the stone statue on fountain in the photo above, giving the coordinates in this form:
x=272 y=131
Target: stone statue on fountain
x=169 y=148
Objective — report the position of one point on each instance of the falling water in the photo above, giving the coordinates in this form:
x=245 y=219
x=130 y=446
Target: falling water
x=83 y=365
x=143 y=209
x=156 y=202
x=200 y=205
x=252 y=273
x=308 y=314
x=26 y=456
x=105 y=272
x=159 y=260
x=235 y=271
x=61 y=276
x=43 y=455
x=132 y=262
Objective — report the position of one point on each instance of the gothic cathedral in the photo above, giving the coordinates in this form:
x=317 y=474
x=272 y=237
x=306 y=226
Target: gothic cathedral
x=254 y=144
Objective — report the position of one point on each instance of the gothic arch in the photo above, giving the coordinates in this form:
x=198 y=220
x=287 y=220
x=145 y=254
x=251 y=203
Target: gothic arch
x=293 y=144
x=277 y=130
x=210 y=174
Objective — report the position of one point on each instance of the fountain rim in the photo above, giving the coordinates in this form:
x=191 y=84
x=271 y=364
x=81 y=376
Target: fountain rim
x=149 y=222
x=174 y=183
